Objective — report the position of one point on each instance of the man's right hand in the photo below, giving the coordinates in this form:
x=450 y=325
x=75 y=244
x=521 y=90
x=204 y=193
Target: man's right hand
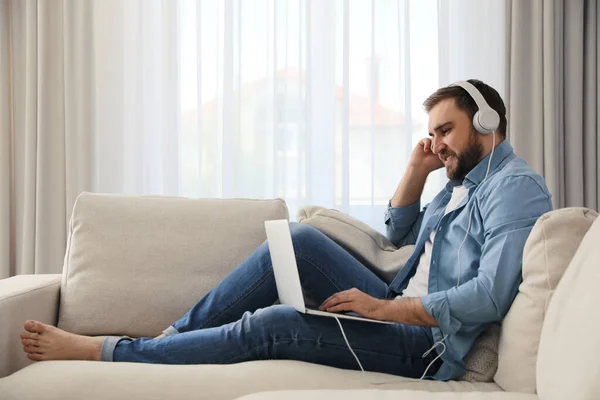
x=422 y=162
x=423 y=158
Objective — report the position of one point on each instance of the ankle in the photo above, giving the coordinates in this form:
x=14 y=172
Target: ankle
x=96 y=349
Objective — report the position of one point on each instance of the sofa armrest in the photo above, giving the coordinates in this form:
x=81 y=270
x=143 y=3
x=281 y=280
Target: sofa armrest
x=24 y=297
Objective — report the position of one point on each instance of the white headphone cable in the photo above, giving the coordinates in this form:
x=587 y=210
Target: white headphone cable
x=441 y=342
x=471 y=213
x=459 y=264
x=348 y=344
x=392 y=380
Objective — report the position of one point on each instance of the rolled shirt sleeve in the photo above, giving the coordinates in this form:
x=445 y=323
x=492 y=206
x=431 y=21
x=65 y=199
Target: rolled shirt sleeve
x=403 y=223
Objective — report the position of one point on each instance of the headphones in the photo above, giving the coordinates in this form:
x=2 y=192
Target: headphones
x=486 y=119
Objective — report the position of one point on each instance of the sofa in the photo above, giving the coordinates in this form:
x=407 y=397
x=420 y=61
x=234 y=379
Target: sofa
x=135 y=264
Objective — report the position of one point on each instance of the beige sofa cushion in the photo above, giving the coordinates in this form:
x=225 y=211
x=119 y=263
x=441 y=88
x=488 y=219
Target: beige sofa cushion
x=134 y=264
x=366 y=244
x=550 y=247
x=482 y=361
x=88 y=380
x=568 y=365
x=380 y=255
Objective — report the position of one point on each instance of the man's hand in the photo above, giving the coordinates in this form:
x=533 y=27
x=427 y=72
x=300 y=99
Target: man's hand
x=422 y=162
x=423 y=157
x=356 y=301
x=408 y=310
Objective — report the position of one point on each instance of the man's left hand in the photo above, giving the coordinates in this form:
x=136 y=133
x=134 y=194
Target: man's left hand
x=356 y=301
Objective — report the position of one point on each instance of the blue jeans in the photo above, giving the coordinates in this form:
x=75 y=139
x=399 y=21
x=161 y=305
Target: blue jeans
x=237 y=320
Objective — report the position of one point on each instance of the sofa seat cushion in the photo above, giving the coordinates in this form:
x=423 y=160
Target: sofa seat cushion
x=378 y=394
x=136 y=264
x=550 y=247
x=58 y=380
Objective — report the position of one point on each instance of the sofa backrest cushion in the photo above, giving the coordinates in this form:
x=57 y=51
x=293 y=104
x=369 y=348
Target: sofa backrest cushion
x=567 y=365
x=550 y=247
x=135 y=264
x=366 y=244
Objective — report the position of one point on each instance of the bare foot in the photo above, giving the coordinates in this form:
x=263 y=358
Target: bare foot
x=45 y=342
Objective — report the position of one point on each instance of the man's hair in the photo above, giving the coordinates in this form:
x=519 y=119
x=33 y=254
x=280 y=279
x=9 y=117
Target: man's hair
x=465 y=102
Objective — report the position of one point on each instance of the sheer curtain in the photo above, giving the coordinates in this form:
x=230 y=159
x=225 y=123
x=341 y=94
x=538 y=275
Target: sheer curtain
x=317 y=102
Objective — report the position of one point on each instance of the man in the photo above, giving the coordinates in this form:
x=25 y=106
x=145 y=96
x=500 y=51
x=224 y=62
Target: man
x=463 y=274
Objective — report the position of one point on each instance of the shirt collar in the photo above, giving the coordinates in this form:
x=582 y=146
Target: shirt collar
x=452 y=183
x=476 y=175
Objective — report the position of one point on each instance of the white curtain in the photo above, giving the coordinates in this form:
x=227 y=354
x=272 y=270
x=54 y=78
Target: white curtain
x=317 y=102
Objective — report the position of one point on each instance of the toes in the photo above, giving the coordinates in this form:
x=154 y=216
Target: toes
x=34 y=327
x=31 y=349
x=35 y=356
x=29 y=342
x=29 y=335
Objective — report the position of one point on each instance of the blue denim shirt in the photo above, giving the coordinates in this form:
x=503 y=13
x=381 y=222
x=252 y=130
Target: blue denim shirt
x=504 y=209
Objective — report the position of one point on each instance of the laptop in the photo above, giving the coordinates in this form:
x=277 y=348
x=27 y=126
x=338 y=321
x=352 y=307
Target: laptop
x=287 y=279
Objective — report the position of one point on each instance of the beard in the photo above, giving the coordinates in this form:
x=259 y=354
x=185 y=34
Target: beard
x=466 y=161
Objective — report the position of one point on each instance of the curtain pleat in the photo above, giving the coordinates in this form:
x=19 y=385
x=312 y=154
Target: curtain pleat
x=6 y=138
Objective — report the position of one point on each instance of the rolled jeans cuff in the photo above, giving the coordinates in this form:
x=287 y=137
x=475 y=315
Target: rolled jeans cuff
x=108 y=347
x=170 y=331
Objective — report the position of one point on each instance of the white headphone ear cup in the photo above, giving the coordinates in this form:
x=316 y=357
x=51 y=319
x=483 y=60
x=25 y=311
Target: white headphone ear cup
x=486 y=120
x=477 y=125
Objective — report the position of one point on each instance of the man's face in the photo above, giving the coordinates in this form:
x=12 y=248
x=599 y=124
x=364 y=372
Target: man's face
x=454 y=139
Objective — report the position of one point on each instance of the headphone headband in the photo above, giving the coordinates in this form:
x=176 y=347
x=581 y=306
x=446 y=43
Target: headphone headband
x=486 y=119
